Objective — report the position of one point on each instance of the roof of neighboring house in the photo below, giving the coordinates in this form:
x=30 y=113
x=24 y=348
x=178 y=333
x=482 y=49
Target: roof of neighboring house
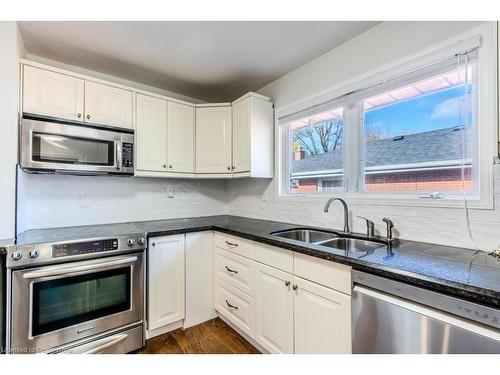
x=436 y=147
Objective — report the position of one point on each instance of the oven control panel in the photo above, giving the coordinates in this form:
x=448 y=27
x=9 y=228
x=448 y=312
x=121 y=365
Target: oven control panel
x=30 y=255
x=79 y=248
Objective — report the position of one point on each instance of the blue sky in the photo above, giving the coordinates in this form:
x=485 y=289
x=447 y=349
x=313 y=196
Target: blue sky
x=434 y=111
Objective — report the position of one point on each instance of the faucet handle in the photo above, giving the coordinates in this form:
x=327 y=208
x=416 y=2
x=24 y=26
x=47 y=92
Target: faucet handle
x=390 y=225
x=370 y=226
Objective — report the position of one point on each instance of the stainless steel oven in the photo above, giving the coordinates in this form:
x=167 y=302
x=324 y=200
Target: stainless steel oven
x=56 y=146
x=76 y=306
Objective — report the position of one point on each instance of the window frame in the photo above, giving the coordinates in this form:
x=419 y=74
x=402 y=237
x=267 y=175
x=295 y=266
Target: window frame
x=353 y=136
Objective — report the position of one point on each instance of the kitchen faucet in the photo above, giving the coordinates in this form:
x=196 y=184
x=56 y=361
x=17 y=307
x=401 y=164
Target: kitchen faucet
x=390 y=225
x=346 y=212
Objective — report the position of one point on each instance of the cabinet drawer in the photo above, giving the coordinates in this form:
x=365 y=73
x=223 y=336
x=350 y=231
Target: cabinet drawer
x=234 y=244
x=274 y=256
x=236 y=306
x=330 y=274
x=235 y=270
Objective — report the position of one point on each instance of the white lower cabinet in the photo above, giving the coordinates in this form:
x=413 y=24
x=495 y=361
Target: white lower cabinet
x=322 y=319
x=291 y=314
x=236 y=306
x=166 y=280
x=274 y=310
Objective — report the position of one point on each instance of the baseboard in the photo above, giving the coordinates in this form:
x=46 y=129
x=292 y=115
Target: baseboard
x=160 y=331
x=243 y=334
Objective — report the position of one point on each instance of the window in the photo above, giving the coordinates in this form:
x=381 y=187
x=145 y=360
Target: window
x=419 y=137
x=316 y=143
x=410 y=132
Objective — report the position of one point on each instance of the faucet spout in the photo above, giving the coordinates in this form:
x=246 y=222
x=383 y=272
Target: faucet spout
x=346 y=211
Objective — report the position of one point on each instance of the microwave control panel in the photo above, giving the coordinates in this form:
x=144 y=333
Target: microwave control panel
x=127 y=155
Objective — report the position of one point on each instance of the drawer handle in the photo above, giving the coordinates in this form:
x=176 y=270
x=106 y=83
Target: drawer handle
x=230 y=270
x=231 y=243
x=231 y=306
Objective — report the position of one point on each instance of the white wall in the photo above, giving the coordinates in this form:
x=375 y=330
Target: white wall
x=383 y=44
x=46 y=201
x=11 y=47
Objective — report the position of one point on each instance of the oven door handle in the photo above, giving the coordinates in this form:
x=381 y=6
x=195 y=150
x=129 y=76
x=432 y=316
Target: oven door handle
x=65 y=270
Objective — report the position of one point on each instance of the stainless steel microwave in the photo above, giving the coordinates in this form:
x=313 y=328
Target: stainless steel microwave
x=54 y=146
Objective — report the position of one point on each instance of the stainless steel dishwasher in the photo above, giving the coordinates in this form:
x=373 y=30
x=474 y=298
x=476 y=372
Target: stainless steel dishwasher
x=393 y=317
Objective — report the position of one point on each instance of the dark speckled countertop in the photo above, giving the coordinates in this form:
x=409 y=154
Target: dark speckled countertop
x=473 y=275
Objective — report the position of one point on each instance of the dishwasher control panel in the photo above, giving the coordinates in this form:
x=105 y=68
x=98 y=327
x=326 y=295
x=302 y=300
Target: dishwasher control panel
x=452 y=305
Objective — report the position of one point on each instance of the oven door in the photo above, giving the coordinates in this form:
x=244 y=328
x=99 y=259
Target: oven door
x=53 y=146
x=56 y=305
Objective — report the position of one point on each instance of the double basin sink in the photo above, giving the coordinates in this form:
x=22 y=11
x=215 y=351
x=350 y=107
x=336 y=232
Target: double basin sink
x=350 y=244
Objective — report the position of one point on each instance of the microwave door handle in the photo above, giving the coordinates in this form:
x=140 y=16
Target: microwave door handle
x=64 y=270
x=118 y=154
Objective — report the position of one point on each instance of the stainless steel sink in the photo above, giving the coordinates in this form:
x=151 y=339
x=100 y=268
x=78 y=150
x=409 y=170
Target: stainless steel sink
x=305 y=235
x=352 y=245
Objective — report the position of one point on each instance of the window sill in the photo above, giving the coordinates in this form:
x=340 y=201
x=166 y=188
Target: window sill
x=395 y=200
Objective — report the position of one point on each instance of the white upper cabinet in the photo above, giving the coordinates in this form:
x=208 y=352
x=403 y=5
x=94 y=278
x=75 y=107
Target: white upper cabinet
x=213 y=140
x=52 y=94
x=108 y=105
x=55 y=94
x=180 y=138
x=322 y=319
x=151 y=133
x=241 y=136
x=253 y=137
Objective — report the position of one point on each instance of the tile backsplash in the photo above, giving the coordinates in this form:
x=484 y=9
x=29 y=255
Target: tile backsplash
x=56 y=201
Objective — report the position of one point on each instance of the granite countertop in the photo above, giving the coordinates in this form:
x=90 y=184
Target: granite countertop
x=473 y=275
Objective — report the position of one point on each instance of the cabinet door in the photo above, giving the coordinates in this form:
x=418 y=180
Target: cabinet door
x=241 y=136
x=180 y=138
x=166 y=293
x=322 y=319
x=213 y=140
x=52 y=94
x=151 y=133
x=274 y=309
x=107 y=105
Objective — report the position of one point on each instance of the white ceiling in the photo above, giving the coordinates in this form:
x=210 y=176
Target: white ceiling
x=212 y=61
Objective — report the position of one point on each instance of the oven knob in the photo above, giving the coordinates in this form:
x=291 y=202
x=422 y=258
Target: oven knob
x=34 y=253
x=131 y=242
x=141 y=241
x=16 y=255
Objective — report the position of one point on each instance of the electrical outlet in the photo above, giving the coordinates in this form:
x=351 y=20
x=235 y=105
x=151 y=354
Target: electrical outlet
x=170 y=193
x=84 y=201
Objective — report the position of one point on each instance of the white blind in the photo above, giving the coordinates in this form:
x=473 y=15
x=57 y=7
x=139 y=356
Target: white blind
x=439 y=62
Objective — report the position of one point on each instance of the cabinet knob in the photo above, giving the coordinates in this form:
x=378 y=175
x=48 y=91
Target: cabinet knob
x=228 y=168
x=79 y=115
x=170 y=166
x=287 y=283
x=164 y=166
x=295 y=287
x=88 y=117
x=233 y=167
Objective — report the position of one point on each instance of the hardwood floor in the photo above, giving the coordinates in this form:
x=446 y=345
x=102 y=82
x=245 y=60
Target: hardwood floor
x=212 y=337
